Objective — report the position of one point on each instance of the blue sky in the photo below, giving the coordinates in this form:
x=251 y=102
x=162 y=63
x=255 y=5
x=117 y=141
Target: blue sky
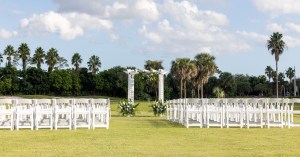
x=128 y=32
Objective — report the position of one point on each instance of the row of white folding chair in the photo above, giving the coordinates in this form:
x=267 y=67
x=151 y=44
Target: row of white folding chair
x=27 y=113
x=255 y=113
x=291 y=112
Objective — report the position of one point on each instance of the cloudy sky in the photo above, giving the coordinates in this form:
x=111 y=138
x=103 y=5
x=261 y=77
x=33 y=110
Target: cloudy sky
x=128 y=32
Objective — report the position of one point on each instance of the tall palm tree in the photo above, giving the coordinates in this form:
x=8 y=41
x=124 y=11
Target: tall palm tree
x=269 y=72
x=38 y=57
x=182 y=69
x=190 y=73
x=152 y=64
x=52 y=59
x=276 y=45
x=76 y=61
x=94 y=64
x=9 y=52
x=24 y=54
x=206 y=67
x=290 y=73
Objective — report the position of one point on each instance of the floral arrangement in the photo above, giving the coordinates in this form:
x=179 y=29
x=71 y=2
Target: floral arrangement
x=127 y=108
x=159 y=108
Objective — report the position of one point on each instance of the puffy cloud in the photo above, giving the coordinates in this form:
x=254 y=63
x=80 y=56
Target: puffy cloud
x=274 y=27
x=278 y=6
x=67 y=25
x=7 y=34
x=293 y=27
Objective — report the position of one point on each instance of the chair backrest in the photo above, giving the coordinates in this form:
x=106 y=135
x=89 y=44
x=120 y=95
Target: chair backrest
x=6 y=104
x=43 y=103
x=24 y=103
x=63 y=103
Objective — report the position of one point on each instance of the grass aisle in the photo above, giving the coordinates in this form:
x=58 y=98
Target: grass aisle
x=146 y=135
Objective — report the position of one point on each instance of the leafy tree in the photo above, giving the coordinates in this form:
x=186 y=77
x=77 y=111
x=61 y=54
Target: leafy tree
x=1 y=58
x=219 y=92
x=206 y=67
x=227 y=83
x=52 y=58
x=76 y=61
x=276 y=45
x=10 y=53
x=269 y=72
x=94 y=64
x=24 y=54
x=153 y=64
x=38 y=57
x=290 y=73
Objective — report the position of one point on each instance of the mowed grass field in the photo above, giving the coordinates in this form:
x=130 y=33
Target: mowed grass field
x=146 y=135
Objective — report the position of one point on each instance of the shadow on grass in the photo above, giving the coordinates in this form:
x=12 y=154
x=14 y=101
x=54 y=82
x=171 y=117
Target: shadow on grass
x=162 y=123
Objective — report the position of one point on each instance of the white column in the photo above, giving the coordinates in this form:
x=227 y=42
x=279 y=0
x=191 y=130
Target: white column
x=130 y=92
x=161 y=74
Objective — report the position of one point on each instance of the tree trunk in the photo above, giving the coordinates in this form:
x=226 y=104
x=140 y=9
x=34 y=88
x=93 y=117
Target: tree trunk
x=276 y=79
x=181 y=80
x=184 y=89
x=202 y=89
x=198 y=89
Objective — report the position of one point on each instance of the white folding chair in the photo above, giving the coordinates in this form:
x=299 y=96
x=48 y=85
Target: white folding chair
x=292 y=112
x=100 y=113
x=235 y=113
x=194 y=113
x=254 y=113
x=43 y=113
x=6 y=114
x=24 y=113
x=63 y=113
x=274 y=113
x=215 y=113
x=82 y=113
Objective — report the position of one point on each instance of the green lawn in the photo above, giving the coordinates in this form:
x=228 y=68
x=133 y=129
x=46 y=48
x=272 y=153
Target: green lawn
x=145 y=135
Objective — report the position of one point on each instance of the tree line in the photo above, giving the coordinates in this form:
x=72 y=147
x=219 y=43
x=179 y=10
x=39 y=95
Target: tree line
x=197 y=77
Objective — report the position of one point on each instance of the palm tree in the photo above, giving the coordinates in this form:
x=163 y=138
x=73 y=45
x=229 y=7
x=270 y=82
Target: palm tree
x=76 y=61
x=290 y=73
x=9 y=52
x=182 y=68
x=94 y=64
x=152 y=64
x=219 y=92
x=24 y=54
x=206 y=67
x=38 y=57
x=276 y=45
x=269 y=72
x=52 y=59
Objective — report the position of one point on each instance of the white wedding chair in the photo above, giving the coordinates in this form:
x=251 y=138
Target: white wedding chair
x=100 y=113
x=24 y=113
x=194 y=113
x=43 y=113
x=274 y=113
x=82 y=113
x=254 y=113
x=234 y=113
x=6 y=114
x=215 y=113
x=291 y=113
x=63 y=113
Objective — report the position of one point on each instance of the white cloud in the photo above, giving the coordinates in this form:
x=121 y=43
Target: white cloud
x=67 y=25
x=293 y=27
x=7 y=34
x=274 y=27
x=278 y=6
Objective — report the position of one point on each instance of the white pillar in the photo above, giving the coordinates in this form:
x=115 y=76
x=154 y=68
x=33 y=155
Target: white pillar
x=161 y=74
x=130 y=92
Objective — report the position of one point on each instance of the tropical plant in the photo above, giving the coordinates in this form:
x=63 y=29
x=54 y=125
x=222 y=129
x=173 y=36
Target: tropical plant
x=219 y=92
x=76 y=61
x=24 y=54
x=159 y=108
x=9 y=52
x=52 y=59
x=152 y=64
x=38 y=57
x=206 y=67
x=1 y=58
x=127 y=108
x=269 y=72
x=94 y=64
x=276 y=45
x=290 y=73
